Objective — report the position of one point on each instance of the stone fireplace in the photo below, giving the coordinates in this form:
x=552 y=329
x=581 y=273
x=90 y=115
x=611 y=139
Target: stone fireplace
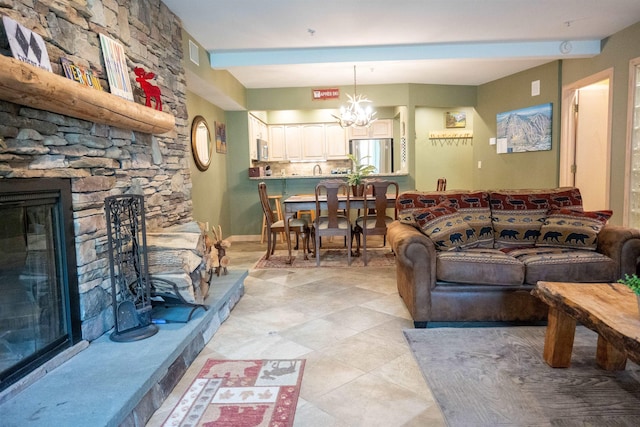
x=96 y=154
x=39 y=310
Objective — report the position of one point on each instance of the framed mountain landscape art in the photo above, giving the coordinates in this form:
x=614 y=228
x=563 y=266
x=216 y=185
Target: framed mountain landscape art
x=527 y=129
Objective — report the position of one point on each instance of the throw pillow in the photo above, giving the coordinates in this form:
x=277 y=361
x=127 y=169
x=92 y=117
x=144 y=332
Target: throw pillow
x=517 y=218
x=574 y=229
x=566 y=198
x=474 y=208
x=446 y=227
x=409 y=202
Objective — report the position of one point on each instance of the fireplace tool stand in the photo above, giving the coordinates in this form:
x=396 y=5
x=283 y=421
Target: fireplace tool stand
x=130 y=285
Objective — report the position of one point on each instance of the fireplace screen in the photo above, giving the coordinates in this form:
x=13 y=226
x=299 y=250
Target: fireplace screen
x=34 y=309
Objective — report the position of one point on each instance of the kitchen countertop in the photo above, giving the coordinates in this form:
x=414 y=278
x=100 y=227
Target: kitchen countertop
x=323 y=176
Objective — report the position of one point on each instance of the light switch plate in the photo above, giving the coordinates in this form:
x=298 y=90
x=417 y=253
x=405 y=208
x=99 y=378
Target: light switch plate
x=535 y=88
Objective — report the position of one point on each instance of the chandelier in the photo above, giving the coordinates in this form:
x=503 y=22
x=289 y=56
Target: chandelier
x=357 y=112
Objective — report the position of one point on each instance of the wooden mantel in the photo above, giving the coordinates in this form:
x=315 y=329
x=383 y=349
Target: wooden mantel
x=31 y=86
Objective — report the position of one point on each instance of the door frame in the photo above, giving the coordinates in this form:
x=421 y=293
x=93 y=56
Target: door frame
x=568 y=128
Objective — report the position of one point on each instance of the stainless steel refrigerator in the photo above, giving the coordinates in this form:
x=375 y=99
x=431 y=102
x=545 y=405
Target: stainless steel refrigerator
x=376 y=152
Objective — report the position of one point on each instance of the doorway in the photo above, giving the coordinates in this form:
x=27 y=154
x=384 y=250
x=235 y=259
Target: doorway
x=586 y=138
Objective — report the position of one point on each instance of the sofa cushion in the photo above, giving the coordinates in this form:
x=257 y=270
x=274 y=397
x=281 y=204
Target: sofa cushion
x=517 y=218
x=479 y=265
x=409 y=202
x=445 y=226
x=572 y=229
x=565 y=265
x=474 y=208
x=565 y=198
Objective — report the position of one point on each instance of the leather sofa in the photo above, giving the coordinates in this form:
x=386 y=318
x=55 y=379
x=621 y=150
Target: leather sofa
x=472 y=256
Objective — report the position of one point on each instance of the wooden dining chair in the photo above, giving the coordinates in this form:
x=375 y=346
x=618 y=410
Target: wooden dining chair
x=442 y=184
x=275 y=225
x=375 y=220
x=332 y=221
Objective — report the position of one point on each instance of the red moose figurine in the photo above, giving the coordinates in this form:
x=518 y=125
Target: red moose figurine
x=150 y=91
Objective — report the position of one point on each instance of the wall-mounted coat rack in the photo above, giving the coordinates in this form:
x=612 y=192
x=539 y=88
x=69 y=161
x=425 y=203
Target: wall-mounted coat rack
x=450 y=137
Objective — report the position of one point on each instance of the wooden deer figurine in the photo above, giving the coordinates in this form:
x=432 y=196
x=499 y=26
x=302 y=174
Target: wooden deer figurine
x=221 y=245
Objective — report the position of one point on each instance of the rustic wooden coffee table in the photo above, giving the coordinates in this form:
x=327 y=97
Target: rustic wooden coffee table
x=610 y=309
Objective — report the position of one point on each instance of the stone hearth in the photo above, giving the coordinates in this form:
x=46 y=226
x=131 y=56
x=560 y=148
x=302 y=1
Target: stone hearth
x=119 y=384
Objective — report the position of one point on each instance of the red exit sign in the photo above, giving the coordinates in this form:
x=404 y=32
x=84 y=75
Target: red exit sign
x=325 y=93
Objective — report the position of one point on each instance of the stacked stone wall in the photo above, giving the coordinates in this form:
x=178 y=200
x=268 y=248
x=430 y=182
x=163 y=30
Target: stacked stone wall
x=102 y=160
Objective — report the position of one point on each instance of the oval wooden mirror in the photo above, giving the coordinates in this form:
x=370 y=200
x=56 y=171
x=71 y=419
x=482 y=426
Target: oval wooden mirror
x=201 y=143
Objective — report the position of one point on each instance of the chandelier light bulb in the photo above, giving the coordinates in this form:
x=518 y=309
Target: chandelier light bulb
x=353 y=114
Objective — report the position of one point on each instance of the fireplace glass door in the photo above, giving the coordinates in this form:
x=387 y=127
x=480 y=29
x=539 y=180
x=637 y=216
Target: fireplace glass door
x=34 y=313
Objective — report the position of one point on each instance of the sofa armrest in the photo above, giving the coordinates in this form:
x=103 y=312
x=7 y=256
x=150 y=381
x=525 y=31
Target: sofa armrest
x=622 y=244
x=415 y=268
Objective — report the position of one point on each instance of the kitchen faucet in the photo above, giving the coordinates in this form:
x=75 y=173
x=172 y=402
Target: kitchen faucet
x=319 y=170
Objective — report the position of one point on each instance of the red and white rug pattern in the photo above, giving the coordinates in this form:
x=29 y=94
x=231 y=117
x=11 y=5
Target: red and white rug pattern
x=241 y=393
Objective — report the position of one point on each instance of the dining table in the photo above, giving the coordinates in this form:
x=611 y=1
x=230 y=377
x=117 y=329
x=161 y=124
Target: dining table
x=301 y=202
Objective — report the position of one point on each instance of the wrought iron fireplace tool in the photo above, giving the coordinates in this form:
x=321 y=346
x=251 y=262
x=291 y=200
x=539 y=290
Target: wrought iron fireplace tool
x=130 y=285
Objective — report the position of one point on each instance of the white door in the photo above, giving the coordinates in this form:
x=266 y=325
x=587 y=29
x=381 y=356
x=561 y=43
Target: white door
x=586 y=139
x=591 y=149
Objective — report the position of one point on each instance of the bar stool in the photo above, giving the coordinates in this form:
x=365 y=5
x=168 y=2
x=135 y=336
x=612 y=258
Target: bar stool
x=310 y=212
x=278 y=211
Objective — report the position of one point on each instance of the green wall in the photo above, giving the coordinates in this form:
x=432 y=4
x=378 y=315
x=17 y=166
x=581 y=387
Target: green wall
x=537 y=169
x=435 y=159
x=209 y=188
x=209 y=192
x=617 y=51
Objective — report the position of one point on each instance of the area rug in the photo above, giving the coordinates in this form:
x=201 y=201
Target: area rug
x=495 y=376
x=241 y=393
x=332 y=258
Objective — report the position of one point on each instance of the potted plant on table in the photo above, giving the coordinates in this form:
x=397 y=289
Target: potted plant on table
x=357 y=175
x=633 y=282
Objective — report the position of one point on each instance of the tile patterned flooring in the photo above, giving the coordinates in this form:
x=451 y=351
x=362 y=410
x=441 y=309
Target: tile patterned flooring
x=346 y=322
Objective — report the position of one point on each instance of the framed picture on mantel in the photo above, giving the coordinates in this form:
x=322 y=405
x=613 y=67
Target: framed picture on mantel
x=26 y=46
x=115 y=61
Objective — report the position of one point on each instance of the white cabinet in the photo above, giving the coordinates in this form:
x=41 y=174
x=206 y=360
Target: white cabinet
x=359 y=133
x=313 y=141
x=277 y=143
x=257 y=130
x=308 y=142
x=337 y=141
x=293 y=142
x=378 y=129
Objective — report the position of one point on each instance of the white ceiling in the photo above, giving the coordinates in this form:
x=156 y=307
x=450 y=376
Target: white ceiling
x=313 y=43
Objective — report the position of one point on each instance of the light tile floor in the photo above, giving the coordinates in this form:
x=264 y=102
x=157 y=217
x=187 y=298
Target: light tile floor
x=346 y=322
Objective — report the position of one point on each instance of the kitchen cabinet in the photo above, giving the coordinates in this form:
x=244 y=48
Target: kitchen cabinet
x=306 y=142
x=379 y=129
x=292 y=142
x=257 y=130
x=313 y=141
x=277 y=143
x=337 y=141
